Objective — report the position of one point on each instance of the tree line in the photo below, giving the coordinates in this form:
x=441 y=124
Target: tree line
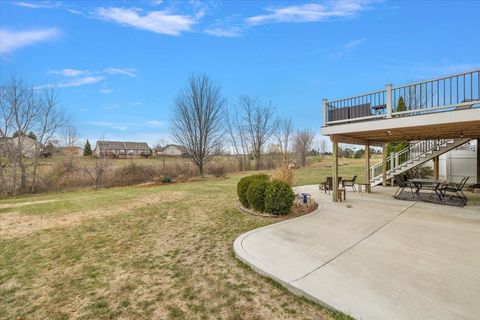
x=29 y=119
x=32 y=120
x=206 y=126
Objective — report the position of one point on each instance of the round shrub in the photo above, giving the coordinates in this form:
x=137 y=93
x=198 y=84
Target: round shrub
x=279 y=197
x=256 y=194
x=243 y=185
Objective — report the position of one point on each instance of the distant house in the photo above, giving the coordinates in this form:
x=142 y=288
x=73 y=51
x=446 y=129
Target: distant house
x=171 y=150
x=120 y=149
x=28 y=145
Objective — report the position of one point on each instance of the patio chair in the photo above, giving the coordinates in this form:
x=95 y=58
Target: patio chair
x=455 y=188
x=328 y=184
x=350 y=183
x=402 y=184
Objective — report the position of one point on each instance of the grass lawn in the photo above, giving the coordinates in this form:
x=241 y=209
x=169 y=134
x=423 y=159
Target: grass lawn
x=162 y=252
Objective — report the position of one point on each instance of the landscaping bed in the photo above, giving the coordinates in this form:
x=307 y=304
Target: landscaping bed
x=298 y=209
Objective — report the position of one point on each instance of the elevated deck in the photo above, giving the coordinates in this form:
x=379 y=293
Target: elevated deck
x=446 y=107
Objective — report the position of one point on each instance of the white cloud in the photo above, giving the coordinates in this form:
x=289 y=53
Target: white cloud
x=347 y=49
x=74 y=11
x=69 y=72
x=113 y=107
x=155 y=123
x=156 y=21
x=137 y=103
x=106 y=90
x=225 y=32
x=131 y=72
x=37 y=5
x=106 y=125
x=81 y=81
x=12 y=40
x=310 y=12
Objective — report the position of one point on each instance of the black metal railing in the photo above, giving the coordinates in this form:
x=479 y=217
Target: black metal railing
x=370 y=105
x=448 y=93
x=454 y=92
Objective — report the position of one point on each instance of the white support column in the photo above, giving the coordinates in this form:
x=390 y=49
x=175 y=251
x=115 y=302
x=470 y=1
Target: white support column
x=389 y=100
x=392 y=165
x=325 y=111
x=367 y=165
x=384 y=165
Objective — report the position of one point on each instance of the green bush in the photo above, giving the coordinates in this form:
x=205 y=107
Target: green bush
x=279 y=197
x=243 y=185
x=166 y=179
x=256 y=194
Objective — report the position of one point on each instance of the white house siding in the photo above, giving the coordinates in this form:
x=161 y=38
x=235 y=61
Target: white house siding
x=456 y=164
x=172 y=151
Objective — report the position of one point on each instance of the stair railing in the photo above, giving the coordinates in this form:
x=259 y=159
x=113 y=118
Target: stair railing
x=409 y=154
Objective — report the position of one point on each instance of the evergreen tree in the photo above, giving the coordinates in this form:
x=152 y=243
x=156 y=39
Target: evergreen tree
x=401 y=105
x=87 y=150
x=399 y=145
x=32 y=136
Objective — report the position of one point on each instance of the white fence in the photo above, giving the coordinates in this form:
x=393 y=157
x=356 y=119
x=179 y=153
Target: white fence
x=456 y=164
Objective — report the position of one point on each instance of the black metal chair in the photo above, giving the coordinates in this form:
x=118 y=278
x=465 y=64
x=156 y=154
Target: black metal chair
x=328 y=184
x=350 y=183
x=402 y=184
x=455 y=188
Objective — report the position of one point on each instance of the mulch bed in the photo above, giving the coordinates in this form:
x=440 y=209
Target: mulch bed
x=432 y=198
x=297 y=210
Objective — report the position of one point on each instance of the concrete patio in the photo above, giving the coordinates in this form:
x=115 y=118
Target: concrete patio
x=380 y=259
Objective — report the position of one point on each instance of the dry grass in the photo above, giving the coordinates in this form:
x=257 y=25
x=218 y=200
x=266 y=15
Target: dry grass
x=161 y=252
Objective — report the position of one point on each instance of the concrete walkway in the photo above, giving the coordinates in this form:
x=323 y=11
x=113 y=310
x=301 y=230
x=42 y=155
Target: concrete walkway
x=380 y=259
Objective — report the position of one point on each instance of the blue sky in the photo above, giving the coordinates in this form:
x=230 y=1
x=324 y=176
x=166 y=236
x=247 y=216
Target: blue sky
x=119 y=64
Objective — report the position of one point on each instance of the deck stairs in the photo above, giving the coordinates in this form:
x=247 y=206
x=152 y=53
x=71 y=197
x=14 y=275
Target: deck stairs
x=410 y=157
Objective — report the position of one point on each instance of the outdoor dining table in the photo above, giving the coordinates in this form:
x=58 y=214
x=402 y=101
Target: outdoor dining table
x=429 y=184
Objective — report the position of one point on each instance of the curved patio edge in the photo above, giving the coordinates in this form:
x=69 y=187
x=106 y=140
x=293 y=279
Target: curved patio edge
x=242 y=255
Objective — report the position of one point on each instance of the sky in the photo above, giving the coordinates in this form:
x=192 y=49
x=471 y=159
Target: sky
x=119 y=64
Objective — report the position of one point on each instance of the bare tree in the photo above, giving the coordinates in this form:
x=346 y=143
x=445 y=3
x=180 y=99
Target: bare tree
x=19 y=111
x=162 y=143
x=51 y=118
x=69 y=136
x=260 y=124
x=323 y=146
x=5 y=129
x=303 y=143
x=100 y=167
x=236 y=131
x=25 y=110
x=284 y=136
x=197 y=120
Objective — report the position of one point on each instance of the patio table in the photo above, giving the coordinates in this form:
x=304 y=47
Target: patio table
x=429 y=184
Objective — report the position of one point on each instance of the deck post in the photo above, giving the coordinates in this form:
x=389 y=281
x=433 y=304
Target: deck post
x=367 y=165
x=325 y=111
x=436 y=168
x=392 y=165
x=478 y=161
x=384 y=166
x=335 y=169
x=389 y=100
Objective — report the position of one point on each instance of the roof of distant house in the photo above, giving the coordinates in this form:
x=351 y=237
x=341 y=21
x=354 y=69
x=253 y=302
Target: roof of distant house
x=181 y=148
x=122 y=145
